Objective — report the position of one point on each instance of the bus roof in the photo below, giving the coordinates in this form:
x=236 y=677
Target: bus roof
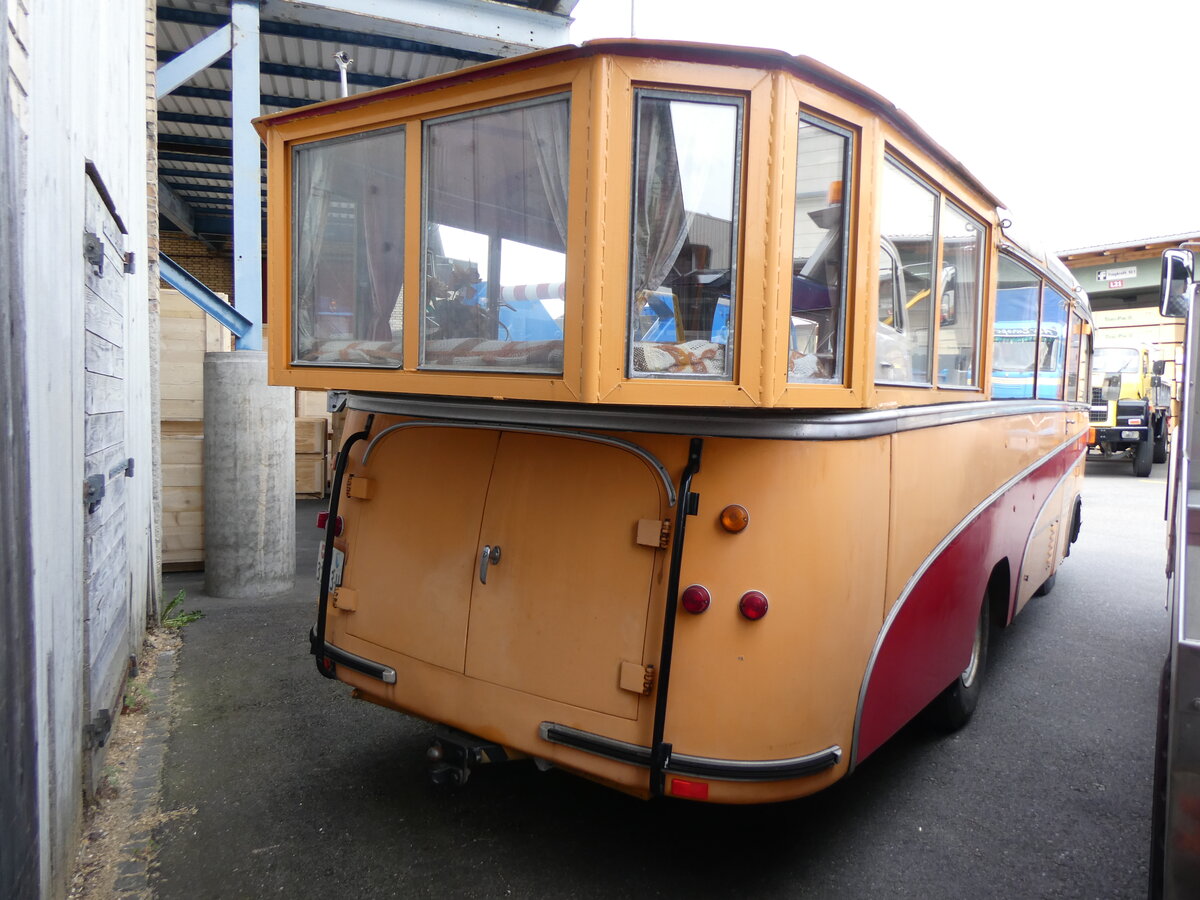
x=807 y=68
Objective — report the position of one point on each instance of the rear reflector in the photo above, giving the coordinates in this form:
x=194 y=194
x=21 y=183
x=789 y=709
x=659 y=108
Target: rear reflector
x=323 y=520
x=695 y=599
x=689 y=790
x=753 y=605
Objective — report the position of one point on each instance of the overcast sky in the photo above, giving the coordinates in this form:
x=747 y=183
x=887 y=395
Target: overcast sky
x=1083 y=117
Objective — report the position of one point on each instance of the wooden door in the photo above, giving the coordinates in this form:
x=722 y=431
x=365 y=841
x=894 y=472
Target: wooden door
x=107 y=581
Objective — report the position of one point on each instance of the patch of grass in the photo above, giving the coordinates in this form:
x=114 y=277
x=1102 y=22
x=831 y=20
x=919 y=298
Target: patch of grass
x=172 y=619
x=136 y=700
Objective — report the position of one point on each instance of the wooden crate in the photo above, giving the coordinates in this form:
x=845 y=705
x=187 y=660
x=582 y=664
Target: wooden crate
x=310 y=474
x=183 y=495
x=311 y=434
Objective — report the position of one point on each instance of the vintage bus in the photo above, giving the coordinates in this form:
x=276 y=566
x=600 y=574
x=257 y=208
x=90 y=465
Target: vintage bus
x=670 y=456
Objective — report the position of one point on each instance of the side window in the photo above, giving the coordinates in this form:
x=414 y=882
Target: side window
x=1052 y=344
x=348 y=250
x=817 y=327
x=1014 y=347
x=908 y=216
x=961 y=296
x=1073 y=343
x=495 y=234
x=687 y=172
x=1085 y=368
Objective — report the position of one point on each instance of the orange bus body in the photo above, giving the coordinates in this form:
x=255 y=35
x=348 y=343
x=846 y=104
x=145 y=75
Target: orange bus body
x=730 y=588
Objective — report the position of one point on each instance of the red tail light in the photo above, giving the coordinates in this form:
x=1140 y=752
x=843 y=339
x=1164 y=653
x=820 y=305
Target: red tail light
x=692 y=790
x=695 y=599
x=753 y=605
x=323 y=520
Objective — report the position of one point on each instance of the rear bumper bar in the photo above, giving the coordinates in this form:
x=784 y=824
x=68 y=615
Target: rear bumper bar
x=697 y=766
x=350 y=660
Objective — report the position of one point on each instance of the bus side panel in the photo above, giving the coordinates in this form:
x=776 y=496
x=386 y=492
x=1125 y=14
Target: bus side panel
x=927 y=641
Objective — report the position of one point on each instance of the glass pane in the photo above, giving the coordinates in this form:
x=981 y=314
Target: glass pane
x=684 y=237
x=1073 y=343
x=961 y=297
x=1052 y=344
x=815 y=348
x=908 y=217
x=1085 y=369
x=348 y=250
x=496 y=239
x=1014 y=347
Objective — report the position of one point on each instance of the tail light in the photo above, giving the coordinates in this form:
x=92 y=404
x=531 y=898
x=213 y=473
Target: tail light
x=695 y=599
x=323 y=521
x=691 y=790
x=753 y=605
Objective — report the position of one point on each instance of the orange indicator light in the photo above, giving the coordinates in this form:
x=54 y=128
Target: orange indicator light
x=734 y=518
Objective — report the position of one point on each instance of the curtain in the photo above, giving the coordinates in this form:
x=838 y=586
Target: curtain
x=313 y=196
x=381 y=178
x=660 y=221
x=549 y=128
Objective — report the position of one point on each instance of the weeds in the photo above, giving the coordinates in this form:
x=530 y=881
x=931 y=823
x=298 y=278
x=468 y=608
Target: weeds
x=172 y=619
x=136 y=700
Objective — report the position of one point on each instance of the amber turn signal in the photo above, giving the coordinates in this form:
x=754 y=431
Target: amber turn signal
x=734 y=518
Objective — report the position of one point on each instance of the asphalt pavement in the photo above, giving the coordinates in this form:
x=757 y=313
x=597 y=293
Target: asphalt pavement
x=276 y=783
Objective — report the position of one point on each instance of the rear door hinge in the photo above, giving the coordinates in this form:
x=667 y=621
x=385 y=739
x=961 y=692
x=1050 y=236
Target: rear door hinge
x=637 y=678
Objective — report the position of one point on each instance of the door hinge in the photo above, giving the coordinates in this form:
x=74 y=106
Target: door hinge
x=93 y=491
x=95 y=733
x=654 y=533
x=93 y=251
x=637 y=678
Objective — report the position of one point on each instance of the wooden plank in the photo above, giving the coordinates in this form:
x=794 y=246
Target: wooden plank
x=180 y=409
x=311 y=434
x=103 y=393
x=182 y=498
x=180 y=427
x=101 y=320
x=102 y=357
x=103 y=431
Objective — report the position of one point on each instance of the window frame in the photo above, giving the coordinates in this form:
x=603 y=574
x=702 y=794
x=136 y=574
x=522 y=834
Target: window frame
x=715 y=98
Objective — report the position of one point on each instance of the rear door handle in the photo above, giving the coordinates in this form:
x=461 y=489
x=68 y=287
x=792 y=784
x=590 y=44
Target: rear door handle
x=489 y=557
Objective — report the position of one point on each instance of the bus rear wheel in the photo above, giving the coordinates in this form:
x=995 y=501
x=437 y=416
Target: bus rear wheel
x=953 y=707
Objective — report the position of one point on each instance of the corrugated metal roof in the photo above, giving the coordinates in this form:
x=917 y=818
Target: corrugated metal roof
x=297 y=67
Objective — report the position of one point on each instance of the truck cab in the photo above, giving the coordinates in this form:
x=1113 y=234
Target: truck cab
x=1130 y=410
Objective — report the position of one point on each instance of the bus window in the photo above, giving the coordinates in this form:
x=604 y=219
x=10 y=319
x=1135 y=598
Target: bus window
x=962 y=296
x=1085 y=368
x=1014 y=346
x=686 y=176
x=1073 y=341
x=348 y=250
x=818 y=253
x=1052 y=338
x=496 y=239
x=908 y=222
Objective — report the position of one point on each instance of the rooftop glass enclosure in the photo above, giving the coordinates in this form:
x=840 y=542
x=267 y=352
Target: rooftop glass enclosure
x=627 y=222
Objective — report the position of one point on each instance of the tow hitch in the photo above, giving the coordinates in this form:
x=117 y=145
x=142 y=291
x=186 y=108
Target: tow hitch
x=452 y=754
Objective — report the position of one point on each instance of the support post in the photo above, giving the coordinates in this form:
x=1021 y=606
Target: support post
x=247 y=196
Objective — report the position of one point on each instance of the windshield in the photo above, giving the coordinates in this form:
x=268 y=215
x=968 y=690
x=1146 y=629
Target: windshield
x=1115 y=359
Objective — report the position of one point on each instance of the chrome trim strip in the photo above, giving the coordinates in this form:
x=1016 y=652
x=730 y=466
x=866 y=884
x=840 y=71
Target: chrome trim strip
x=780 y=424
x=645 y=455
x=924 y=567
x=386 y=674
x=699 y=766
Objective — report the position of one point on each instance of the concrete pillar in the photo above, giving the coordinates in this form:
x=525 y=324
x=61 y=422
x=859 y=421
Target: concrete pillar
x=249 y=478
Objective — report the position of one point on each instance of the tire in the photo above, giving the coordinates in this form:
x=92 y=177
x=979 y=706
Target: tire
x=953 y=707
x=1143 y=459
x=1160 y=446
x=1047 y=586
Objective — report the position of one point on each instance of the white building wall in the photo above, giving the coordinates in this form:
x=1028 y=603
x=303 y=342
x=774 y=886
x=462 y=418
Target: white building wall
x=84 y=96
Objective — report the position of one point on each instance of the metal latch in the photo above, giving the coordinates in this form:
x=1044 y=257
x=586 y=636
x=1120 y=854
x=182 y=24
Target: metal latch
x=95 y=734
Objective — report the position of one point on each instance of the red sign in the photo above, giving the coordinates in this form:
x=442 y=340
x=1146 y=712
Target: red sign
x=1116 y=284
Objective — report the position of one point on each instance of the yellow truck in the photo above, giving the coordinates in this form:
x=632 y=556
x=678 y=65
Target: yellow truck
x=1131 y=407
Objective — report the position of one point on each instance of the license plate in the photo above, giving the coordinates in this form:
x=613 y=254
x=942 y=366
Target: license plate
x=335 y=569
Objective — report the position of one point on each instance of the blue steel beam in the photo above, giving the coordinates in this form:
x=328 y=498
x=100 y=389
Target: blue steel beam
x=193 y=119
x=194 y=59
x=170 y=172
x=192 y=157
x=191 y=287
x=327 y=34
x=304 y=73
x=205 y=93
